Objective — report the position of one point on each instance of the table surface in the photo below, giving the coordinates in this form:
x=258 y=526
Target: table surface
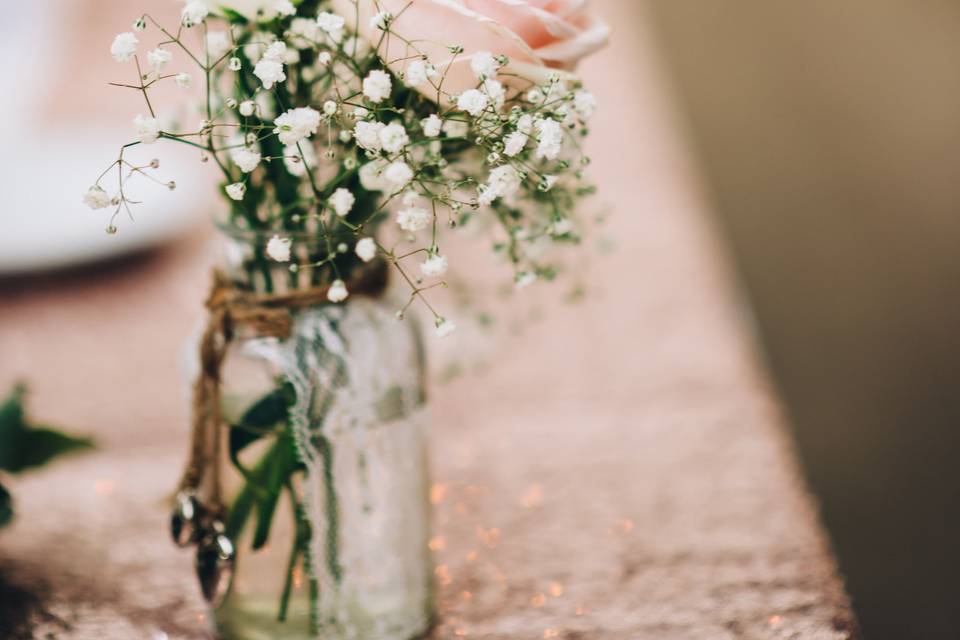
x=623 y=472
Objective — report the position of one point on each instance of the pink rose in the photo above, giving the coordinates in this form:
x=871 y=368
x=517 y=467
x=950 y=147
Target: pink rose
x=538 y=36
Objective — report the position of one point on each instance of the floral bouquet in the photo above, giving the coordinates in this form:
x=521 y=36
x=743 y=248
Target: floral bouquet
x=351 y=137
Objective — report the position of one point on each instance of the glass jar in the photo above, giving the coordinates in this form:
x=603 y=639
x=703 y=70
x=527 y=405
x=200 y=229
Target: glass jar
x=326 y=472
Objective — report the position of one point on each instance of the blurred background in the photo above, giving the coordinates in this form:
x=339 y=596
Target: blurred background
x=825 y=135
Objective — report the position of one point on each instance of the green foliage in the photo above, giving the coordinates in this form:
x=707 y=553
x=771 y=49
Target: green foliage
x=24 y=446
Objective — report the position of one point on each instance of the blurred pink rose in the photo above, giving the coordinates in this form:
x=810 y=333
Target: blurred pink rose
x=538 y=36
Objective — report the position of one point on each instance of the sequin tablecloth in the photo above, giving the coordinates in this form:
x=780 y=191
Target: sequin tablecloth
x=622 y=472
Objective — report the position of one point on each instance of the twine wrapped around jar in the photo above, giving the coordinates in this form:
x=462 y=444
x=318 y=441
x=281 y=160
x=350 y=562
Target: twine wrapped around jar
x=199 y=510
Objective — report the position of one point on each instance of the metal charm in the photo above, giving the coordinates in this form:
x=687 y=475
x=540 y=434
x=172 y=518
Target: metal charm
x=185 y=519
x=215 y=562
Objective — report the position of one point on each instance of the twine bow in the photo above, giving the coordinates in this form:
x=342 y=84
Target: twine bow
x=264 y=315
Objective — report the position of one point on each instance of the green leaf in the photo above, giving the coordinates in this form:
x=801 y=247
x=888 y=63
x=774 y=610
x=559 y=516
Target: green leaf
x=24 y=446
x=6 y=506
x=265 y=413
x=279 y=469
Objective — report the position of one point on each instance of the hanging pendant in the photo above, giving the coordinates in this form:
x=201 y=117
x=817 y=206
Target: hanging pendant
x=214 y=564
x=185 y=518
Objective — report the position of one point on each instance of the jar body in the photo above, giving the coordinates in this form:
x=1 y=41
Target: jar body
x=326 y=479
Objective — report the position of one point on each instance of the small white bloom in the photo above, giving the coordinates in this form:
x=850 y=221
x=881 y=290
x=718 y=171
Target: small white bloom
x=584 y=104
x=484 y=64
x=247 y=108
x=503 y=182
x=381 y=20
x=434 y=266
x=371 y=176
x=562 y=227
x=337 y=291
x=398 y=174
x=359 y=113
x=377 y=86
x=299 y=159
x=456 y=128
x=366 y=249
x=418 y=72
x=148 y=129
x=525 y=123
x=270 y=72
x=236 y=190
x=296 y=124
x=431 y=125
x=284 y=7
x=218 y=43
x=183 y=80
x=332 y=24
x=495 y=92
x=473 y=102
x=524 y=279
x=245 y=158
x=193 y=13
x=413 y=219
x=330 y=107
x=444 y=327
x=367 y=135
x=324 y=58
x=96 y=198
x=304 y=32
x=549 y=138
x=124 y=46
x=139 y=24
x=342 y=201
x=393 y=137
x=234 y=64
x=279 y=249
x=159 y=58
x=514 y=143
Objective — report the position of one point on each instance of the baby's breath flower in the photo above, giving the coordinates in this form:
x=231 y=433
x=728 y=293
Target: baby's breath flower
x=96 y=198
x=234 y=64
x=236 y=190
x=366 y=249
x=183 y=80
x=524 y=279
x=324 y=58
x=431 y=125
x=549 y=138
x=330 y=107
x=484 y=64
x=147 y=129
x=245 y=158
x=413 y=219
x=444 y=327
x=367 y=135
x=381 y=20
x=585 y=104
x=193 y=13
x=502 y=183
x=337 y=291
x=284 y=7
x=398 y=174
x=393 y=137
x=124 y=46
x=434 y=266
x=298 y=159
x=247 y=108
x=514 y=143
x=159 y=58
x=473 y=102
x=332 y=24
x=270 y=72
x=495 y=91
x=278 y=249
x=342 y=201
x=296 y=125
x=377 y=86
x=418 y=72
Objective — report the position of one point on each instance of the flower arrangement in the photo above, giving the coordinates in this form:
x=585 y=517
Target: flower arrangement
x=347 y=131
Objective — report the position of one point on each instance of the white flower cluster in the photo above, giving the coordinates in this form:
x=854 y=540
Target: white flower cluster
x=318 y=135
